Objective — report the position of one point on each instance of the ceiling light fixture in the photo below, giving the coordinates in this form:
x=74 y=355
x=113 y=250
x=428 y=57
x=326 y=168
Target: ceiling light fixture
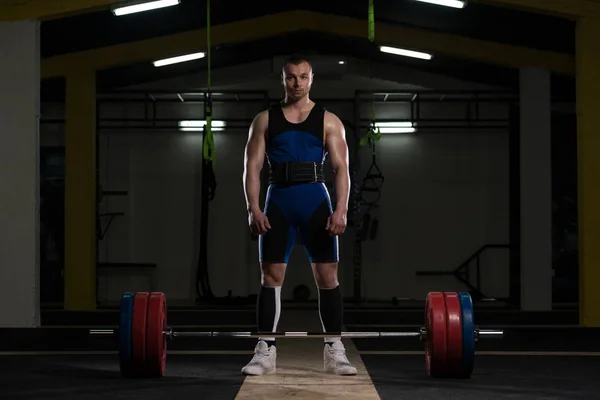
x=395 y=127
x=446 y=3
x=406 y=53
x=145 y=6
x=198 y=125
x=178 y=59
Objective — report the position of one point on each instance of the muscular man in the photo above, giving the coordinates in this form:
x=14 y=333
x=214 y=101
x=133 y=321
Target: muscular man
x=296 y=137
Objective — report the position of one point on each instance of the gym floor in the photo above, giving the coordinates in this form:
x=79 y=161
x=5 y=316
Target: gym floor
x=217 y=377
x=528 y=363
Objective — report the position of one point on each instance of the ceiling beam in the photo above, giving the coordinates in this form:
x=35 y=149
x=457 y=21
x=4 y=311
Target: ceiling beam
x=171 y=45
x=294 y=21
x=17 y=10
x=248 y=75
x=571 y=9
x=463 y=47
x=413 y=76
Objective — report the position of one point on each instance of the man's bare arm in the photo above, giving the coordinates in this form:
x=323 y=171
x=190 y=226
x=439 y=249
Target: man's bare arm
x=254 y=157
x=335 y=142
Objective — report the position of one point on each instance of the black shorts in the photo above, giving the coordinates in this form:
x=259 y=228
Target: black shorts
x=298 y=209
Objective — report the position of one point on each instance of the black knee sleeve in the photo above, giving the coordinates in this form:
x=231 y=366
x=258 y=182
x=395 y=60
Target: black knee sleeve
x=268 y=309
x=331 y=310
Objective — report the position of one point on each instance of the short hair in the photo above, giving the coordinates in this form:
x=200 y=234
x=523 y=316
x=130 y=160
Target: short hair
x=296 y=59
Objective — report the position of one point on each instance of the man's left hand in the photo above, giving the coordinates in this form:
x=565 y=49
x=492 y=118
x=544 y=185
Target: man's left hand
x=336 y=223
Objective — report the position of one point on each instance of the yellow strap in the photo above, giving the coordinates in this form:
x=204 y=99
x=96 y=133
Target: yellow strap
x=371 y=21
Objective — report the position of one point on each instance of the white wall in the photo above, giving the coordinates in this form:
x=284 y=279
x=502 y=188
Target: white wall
x=445 y=195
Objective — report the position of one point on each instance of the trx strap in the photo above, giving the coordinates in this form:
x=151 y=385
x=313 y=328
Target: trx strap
x=362 y=223
x=374 y=179
x=209 y=182
x=208 y=143
x=371 y=21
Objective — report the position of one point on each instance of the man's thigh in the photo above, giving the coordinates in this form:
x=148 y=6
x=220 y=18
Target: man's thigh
x=319 y=245
x=276 y=245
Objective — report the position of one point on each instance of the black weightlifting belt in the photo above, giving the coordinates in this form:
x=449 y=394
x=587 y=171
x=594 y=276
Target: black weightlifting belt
x=296 y=172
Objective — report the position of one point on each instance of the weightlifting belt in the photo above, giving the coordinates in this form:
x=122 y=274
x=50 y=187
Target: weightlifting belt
x=296 y=172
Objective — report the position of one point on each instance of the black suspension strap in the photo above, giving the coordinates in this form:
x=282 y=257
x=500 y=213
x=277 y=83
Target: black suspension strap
x=209 y=180
x=374 y=179
x=360 y=221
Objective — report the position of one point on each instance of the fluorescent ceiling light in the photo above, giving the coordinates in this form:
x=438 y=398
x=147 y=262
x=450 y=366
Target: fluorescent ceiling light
x=395 y=127
x=403 y=124
x=397 y=130
x=200 y=129
x=446 y=3
x=147 y=6
x=198 y=125
x=404 y=52
x=178 y=59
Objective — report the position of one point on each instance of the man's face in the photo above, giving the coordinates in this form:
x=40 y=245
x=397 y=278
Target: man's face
x=297 y=80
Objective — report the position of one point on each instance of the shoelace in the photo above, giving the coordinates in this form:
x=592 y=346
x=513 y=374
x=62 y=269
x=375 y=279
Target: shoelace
x=340 y=353
x=339 y=356
x=259 y=356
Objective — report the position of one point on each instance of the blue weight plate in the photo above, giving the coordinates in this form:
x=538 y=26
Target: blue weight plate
x=468 y=325
x=125 y=333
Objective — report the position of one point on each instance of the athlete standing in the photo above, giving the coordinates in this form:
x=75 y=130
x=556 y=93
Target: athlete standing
x=296 y=137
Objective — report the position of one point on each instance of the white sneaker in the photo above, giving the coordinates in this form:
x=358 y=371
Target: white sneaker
x=335 y=360
x=263 y=362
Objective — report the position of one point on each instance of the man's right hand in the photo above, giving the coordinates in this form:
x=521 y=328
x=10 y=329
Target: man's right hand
x=258 y=221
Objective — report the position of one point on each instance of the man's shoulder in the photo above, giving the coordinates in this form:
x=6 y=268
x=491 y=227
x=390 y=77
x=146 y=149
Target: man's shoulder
x=261 y=121
x=329 y=114
x=331 y=117
x=265 y=113
x=262 y=115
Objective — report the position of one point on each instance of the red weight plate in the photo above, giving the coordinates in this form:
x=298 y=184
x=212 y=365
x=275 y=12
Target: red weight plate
x=454 y=334
x=156 y=341
x=435 y=344
x=138 y=334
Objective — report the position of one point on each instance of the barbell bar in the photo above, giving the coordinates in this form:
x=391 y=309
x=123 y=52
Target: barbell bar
x=449 y=334
x=169 y=333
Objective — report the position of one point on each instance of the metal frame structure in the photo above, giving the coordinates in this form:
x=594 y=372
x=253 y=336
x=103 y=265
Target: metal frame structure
x=153 y=99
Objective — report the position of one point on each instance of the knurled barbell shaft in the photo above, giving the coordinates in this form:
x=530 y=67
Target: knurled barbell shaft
x=294 y=335
x=102 y=332
x=250 y=334
x=291 y=335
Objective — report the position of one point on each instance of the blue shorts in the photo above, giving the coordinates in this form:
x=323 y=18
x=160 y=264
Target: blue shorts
x=298 y=209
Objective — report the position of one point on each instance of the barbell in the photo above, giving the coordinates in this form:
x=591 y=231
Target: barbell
x=449 y=334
